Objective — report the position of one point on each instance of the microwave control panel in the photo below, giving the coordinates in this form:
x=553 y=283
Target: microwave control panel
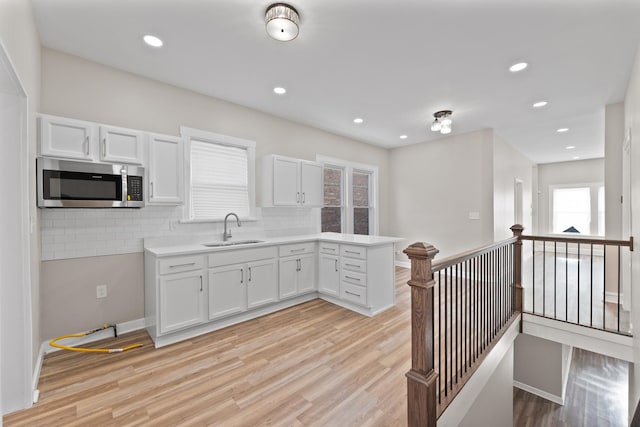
x=134 y=188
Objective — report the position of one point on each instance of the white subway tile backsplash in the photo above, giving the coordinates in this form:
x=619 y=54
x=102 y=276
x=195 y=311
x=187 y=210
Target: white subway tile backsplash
x=76 y=233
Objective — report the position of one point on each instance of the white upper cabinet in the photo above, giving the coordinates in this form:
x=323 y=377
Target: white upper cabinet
x=67 y=138
x=77 y=139
x=165 y=170
x=291 y=182
x=121 y=145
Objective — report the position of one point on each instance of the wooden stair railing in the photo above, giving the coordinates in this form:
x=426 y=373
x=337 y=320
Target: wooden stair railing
x=477 y=296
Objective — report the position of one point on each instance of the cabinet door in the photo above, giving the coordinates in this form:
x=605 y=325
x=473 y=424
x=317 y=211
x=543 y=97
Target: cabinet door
x=68 y=138
x=227 y=290
x=329 y=272
x=288 y=277
x=285 y=182
x=306 y=273
x=165 y=170
x=262 y=282
x=181 y=300
x=121 y=145
x=311 y=184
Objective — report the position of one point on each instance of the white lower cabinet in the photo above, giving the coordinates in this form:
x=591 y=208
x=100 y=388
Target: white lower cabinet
x=329 y=270
x=297 y=269
x=262 y=283
x=227 y=291
x=181 y=300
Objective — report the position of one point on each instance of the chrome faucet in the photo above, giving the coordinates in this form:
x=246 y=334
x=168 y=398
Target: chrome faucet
x=227 y=234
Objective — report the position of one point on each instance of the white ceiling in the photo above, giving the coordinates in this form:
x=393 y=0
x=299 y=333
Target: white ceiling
x=393 y=63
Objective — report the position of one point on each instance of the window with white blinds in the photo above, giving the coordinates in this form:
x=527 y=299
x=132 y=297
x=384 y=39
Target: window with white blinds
x=220 y=176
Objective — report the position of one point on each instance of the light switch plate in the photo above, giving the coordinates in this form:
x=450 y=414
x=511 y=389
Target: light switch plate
x=474 y=215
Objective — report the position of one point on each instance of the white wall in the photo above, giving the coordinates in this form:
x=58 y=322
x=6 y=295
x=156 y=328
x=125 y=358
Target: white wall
x=509 y=165
x=562 y=173
x=20 y=39
x=632 y=125
x=613 y=141
x=436 y=185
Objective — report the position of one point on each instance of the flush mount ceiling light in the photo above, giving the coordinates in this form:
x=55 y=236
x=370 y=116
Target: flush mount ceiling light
x=282 y=22
x=358 y=120
x=518 y=67
x=279 y=90
x=152 y=40
x=540 y=104
x=442 y=122
x=403 y=136
x=562 y=130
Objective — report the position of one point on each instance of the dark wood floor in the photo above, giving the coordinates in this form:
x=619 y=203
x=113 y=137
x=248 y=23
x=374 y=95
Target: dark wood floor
x=597 y=395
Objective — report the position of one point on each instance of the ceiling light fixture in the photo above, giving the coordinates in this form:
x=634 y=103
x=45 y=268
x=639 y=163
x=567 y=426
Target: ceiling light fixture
x=540 y=104
x=282 y=22
x=442 y=122
x=562 y=130
x=403 y=136
x=570 y=147
x=152 y=40
x=518 y=67
x=358 y=120
x=279 y=90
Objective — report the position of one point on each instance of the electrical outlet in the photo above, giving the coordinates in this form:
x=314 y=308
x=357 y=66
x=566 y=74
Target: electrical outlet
x=101 y=291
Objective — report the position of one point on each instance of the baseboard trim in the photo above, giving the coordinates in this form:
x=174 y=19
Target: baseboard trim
x=45 y=348
x=540 y=393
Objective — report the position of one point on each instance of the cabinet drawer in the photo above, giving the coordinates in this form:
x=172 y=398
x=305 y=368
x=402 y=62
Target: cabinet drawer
x=178 y=264
x=297 y=249
x=353 y=277
x=353 y=251
x=353 y=264
x=353 y=293
x=329 y=248
x=235 y=256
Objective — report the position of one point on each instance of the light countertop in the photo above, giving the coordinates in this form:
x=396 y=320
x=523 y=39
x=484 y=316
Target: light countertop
x=161 y=249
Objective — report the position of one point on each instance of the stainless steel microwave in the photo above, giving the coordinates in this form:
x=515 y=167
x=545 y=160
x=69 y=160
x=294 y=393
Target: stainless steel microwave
x=69 y=184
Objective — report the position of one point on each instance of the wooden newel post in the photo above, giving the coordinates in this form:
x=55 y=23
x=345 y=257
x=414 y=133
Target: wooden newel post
x=421 y=379
x=517 y=232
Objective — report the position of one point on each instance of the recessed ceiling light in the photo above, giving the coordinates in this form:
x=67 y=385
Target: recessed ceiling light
x=403 y=136
x=570 y=147
x=562 y=130
x=540 y=104
x=518 y=67
x=152 y=41
x=279 y=90
x=576 y=157
x=358 y=120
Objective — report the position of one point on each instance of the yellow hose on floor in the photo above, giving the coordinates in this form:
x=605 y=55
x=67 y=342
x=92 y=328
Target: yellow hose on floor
x=53 y=342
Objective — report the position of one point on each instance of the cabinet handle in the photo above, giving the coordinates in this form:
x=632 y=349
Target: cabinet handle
x=200 y=283
x=182 y=265
x=304 y=199
x=151 y=185
x=351 y=252
x=328 y=249
x=352 y=293
x=298 y=197
x=298 y=268
x=352 y=278
x=352 y=265
x=336 y=264
x=86 y=141
x=241 y=276
x=104 y=147
x=297 y=250
x=249 y=274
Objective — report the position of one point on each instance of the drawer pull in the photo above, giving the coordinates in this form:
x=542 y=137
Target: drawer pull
x=182 y=265
x=297 y=250
x=329 y=249
x=352 y=278
x=352 y=293
x=352 y=265
x=352 y=252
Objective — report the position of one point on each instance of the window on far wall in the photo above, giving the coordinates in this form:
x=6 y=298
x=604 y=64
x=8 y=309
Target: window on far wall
x=578 y=209
x=332 y=211
x=219 y=175
x=349 y=196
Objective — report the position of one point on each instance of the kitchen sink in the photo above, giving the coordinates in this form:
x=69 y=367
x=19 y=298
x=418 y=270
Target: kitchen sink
x=231 y=243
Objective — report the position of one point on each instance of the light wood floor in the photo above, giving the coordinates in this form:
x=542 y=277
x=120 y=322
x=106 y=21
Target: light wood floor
x=315 y=364
x=597 y=395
